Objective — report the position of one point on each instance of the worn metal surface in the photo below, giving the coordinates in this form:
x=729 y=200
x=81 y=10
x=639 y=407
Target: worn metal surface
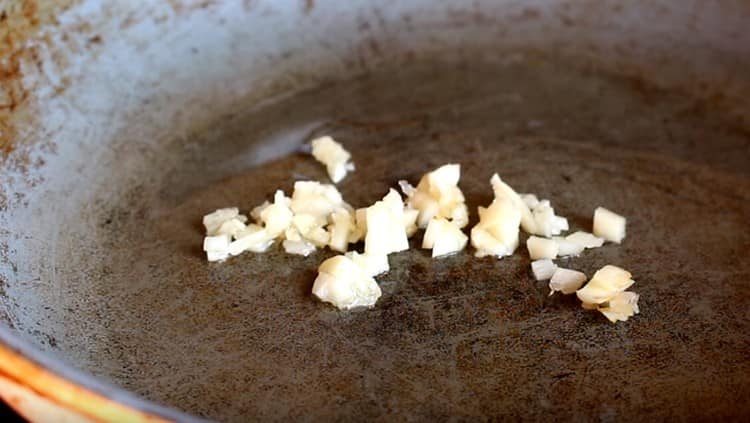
x=103 y=198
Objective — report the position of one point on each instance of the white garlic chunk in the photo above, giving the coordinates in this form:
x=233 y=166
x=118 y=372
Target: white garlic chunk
x=437 y=196
x=620 y=307
x=410 y=221
x=215 y=219
x=609 y=225
x=336 y=159
x=314 y=198
x=344 y=284
x=299 y=247
x=340 y=230
x=386 y=217
x=217 y=255
x=257 y=211
x=254 y=238
x=566 y=281
x=530 y=200
x=496 y=234
x=606 y=283
x=585 y=239
x=216 y=242
x=444 y=238
x=231 y=227
x=277 y=217
x=503 y=190
x=543 y=269
x=372 y=264
x=541 y=248
x=566 y=248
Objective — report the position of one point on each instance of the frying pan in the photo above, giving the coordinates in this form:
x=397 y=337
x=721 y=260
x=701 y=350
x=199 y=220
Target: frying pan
x=122 y=123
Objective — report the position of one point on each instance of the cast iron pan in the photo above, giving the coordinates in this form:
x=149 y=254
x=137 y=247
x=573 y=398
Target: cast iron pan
x=458 y=336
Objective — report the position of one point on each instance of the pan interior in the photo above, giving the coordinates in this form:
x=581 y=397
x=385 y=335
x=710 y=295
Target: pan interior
x=455 y=336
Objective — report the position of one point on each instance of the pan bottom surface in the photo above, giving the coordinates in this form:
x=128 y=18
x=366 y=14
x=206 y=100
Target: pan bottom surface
x=457 y=336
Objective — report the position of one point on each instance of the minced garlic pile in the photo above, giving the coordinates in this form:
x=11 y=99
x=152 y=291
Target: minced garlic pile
x=316 y=216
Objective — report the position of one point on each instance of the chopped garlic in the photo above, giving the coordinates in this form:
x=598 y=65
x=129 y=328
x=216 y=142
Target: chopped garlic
x=566 y=248
x=609 y=225
x=387 y=218
x=231 y=227
x=299 y=247
x=372 y=264
x=217 y=247
x=214 y=220
x=340 y=230
x=496 y=234
x=344 y=284
x=316 y=199
x=585 y=239
x=541 y=248
x=530 y=200
x=566 y=281
x=305 y=223
x=410 y=221
x=547 y=224
x=257 y=211
x=543 y=269
x=318 y=236
x=277 y=217
x=254 y=238
x=333 y=156
x=292 y=234
x=360 y=225
x=620 y=307
x=438 y=196
x=503 y=190
x=605 y=284
x=443 y=237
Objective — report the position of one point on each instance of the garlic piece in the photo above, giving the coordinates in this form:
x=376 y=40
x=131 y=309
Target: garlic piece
x=340 y=230
x=344 y=284
x=438 y=196
x=277 y=217
x=443 y=237
x=585 y=239
x=316 y=199
x=546 y=223
x=621 y=307
x=566 y=248
x=496 y=234
x=372 y=264
x=609 y=225
x=387 y=218
x=360 y=226
x=503 y=190
x=257 y=211
x=410 y=221
x=253 y=238
x=231 y=227
x=298 y=247
x=214 y=220
x=566 y=281
x=605 y=284
x=541 y=248
x=543 y=269
x=217 y=247
x=530 y=200
x=333 y=156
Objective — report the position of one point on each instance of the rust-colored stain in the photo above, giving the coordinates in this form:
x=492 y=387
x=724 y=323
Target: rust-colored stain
x=21 y=21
